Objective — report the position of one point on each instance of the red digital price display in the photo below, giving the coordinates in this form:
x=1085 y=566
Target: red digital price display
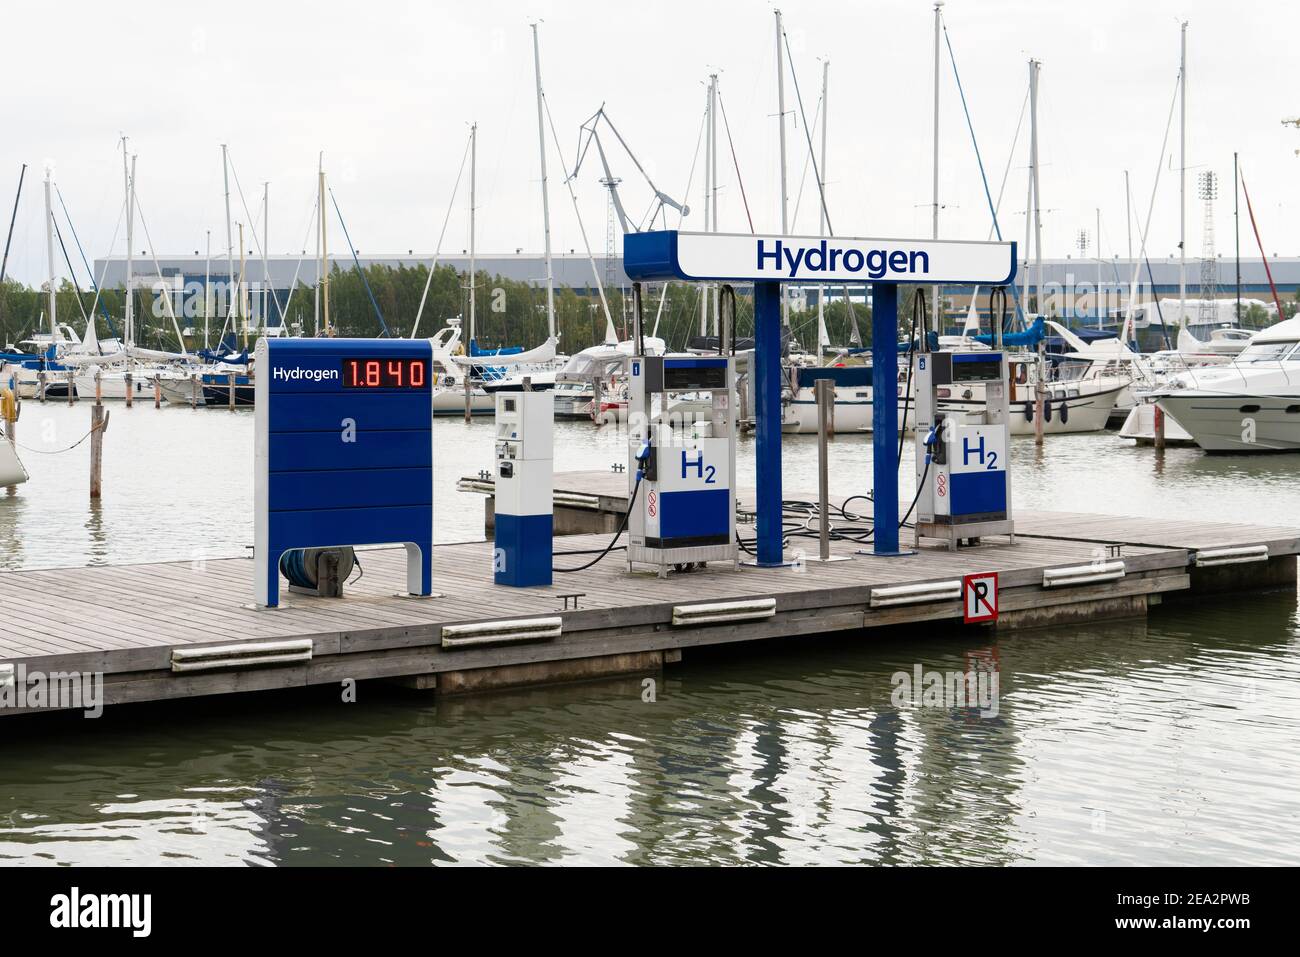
x=385 y=373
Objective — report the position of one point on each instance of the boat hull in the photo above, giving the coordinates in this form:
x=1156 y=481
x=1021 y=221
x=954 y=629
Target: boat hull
x=1234 y=423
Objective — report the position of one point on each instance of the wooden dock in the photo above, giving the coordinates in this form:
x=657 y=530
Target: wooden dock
x=182 y=629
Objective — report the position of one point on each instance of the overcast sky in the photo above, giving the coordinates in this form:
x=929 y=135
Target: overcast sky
x=387 y=90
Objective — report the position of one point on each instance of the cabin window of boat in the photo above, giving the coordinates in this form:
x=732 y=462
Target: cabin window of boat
x=1267 y=351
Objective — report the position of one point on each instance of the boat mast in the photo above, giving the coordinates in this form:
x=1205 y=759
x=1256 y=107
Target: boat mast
x=473 y=174
x=4 y=262
x=323 y=281
x=713 y=184
x=230 y=244
x=780 y=118
x=821 y=206
x=708 y=172
x=49 y=249
x=1029 y=199
x=934 y=291
x=266 y=236
x=1182 y=176
x=1038 y=198
x=1236 y=228
x=1128 y=213
x=207 y=289
x=128 y=183
x=546 y=202
x=240 y=312
x=1097 y=293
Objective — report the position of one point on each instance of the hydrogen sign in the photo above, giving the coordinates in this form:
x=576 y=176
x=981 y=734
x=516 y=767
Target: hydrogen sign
x=813 y=259
x=344 y=452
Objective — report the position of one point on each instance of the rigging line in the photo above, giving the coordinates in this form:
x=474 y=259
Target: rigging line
x=1142 y=249
x=98 y=301
x=433 y=264
x=90 y=272
x=568 y=182
x=357 y=262
x=312 y=220
x=821 y=187
x=803 y=178
x=153 y=254
x=256 y=243
x=59 y=235
x=988 y=195
x=1260 y=243
x=736 y=163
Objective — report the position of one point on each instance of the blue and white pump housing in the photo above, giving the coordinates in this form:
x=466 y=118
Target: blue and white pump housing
x=525 y=462
x=681 y=460
x=961 y=458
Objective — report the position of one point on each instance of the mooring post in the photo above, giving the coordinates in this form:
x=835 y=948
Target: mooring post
x=767 y=409
x=884 y=416
x=40 y=385
x=99 y=386
x=1040 y=403
x=1158 y=420
x=72 y=388
x=824 y=389
x=130 y=388
x=157 y=393
x=98 y=422
x=230 y=399
x=194 y=390
x=468 y=414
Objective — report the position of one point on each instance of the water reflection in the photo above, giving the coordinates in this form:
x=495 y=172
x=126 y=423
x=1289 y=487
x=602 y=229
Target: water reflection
x=1162 y=742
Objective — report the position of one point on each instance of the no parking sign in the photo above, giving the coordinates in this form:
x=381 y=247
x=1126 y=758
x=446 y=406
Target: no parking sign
x=979 y=595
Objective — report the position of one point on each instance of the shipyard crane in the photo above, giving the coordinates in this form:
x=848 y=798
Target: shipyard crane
x=590 y=134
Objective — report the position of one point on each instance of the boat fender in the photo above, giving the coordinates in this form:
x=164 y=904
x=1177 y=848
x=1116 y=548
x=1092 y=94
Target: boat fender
x=1029 y=411
x=1065 y=412
x=1047 y=411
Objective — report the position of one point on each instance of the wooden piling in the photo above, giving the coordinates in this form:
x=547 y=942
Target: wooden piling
x=98 y=423
x=40 y=385
x=157 y=393
x=230 y=383
x=130 y=388
x=467 y=396
x=1158 y=420
x=194 y=391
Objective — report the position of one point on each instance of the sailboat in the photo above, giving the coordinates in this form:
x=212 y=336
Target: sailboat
x=110 y=375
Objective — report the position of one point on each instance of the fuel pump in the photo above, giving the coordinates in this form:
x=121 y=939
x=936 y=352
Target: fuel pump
x=681 y=461
x=961 y=449
x=524 y=482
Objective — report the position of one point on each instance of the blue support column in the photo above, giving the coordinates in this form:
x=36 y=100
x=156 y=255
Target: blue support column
x=884 y=416
x=767 y=410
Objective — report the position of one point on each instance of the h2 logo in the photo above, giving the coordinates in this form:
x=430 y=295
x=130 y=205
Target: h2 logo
x=706 y=472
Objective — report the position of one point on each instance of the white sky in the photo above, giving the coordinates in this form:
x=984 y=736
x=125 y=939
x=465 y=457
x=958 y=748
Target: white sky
x=387 y=90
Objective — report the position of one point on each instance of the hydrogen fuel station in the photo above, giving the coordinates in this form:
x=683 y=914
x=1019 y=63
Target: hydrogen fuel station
x=767 y=262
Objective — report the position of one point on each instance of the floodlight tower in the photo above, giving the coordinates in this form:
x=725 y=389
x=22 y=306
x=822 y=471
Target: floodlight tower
x=1207 y=188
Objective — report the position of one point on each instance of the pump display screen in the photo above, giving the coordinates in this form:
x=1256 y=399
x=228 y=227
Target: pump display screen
x=366 y=373
x=689 y=378
x=976 y=370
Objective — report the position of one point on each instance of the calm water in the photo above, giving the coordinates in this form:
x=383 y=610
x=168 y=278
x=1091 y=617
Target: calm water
x=1170 y=741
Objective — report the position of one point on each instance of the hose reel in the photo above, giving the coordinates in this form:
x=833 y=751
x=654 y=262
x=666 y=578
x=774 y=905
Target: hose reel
x=318 y=571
